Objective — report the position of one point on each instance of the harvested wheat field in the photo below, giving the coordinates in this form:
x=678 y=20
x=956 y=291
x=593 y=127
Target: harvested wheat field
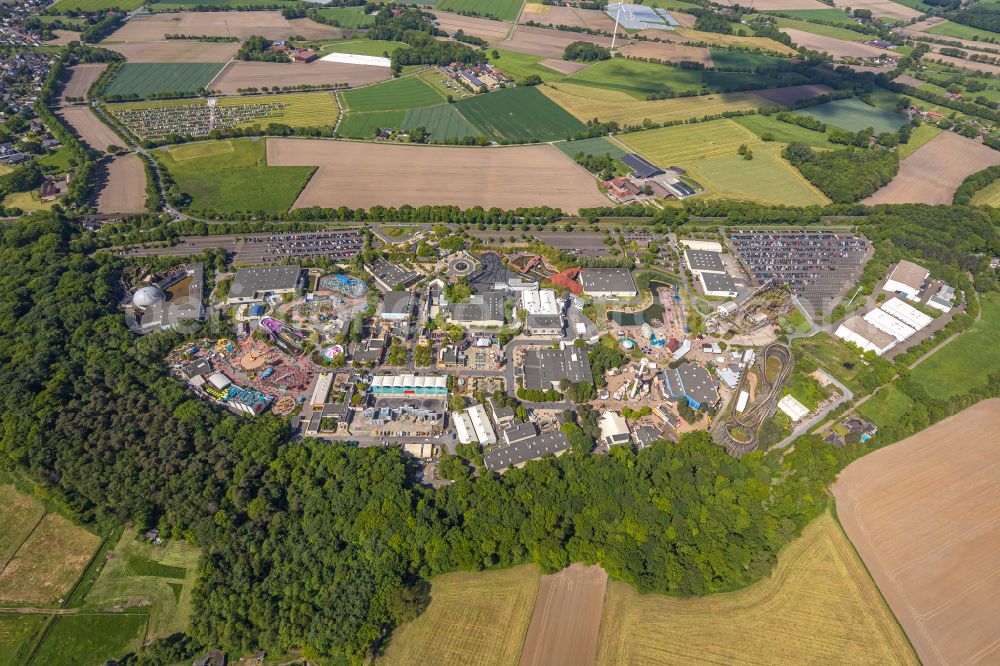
x=563 y=66
x=64 y=37
x=881 y=8
x=270 y=24
x=933 y=173
x=473 y=618
x=924 y=515
x=793 y=94
x=765 y=5
x=89 y=127
x=838 y=48
x=591 y=19
x=586 y=103
x=668 y=52
x=547 y=42
x=81 y=78
x=125 y=188
x=176 y=50
x=567 y=617
x=241 y=74
x=819 y=606
x=361 y=175
x=962 y=63
x=488 y=29
x=48 y=563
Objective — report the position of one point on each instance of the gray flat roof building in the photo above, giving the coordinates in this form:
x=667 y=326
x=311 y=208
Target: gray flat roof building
x=718 y=284
x=481 y=310
x=544 y=324
x=398 y=304
x=646 y=435
x=519 y=432
x=608 y=282
x=389 y=276
x=703 y=260
x=545 y=368
x=700 y=388
x=500 y=458
x=252 y=284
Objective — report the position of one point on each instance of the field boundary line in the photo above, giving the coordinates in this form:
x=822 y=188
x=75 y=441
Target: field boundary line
x=23 y=541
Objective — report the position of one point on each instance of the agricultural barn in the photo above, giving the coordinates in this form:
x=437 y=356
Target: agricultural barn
x=254 y=284
x=703 y=261
x=608 y=283
x=865 y=335
x=500 y=458
x=718 y=284
x=641 y=167
x=906 y=279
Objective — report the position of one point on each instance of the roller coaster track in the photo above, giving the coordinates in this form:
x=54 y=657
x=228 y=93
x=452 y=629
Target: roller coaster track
x=768 y=392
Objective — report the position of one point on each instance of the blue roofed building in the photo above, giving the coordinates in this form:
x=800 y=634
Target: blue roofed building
x=641 y=167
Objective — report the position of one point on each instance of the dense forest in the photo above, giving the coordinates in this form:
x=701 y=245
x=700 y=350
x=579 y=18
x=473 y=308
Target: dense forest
x=846 y=175
x=327 y=547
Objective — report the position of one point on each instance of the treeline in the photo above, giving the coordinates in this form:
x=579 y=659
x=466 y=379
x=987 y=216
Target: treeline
x=846 y=175
x=103 y=27
x=975 y=182
x=256 y=48
x=413 y=27
x=203 y=38
x=586 y=52
x=979 y=15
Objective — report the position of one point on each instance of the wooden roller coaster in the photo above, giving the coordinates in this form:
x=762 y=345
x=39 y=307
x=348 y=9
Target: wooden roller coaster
x=738 y=434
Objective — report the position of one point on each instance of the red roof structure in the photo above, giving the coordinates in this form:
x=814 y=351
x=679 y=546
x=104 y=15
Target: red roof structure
x=568 y=279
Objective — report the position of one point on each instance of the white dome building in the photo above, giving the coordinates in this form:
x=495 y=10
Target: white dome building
x=146 y=296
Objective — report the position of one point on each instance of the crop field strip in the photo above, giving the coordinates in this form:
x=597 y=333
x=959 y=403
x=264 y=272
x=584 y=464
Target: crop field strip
x=443 y=121
x=819 y=606
x=683 y=143
x=397 y=95
x=519 y=114
x=478 y=619
x=144 y=79
x=504 y=10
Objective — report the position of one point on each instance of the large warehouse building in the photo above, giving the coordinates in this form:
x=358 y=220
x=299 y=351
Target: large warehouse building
x=907 y=279
x=865 y=335
x=252 y=285
x=608 y=283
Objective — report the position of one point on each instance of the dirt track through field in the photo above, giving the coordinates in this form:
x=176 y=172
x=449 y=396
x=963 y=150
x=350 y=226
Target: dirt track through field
x=125 y=190
x=176 y=51
x=361 y=175
x=547 y=42
x=933 y=173
x=924 y=514
x=239 y=74
x=838 y=48
x=89 y=127
x=566 y=621
x=81 y=78
x=488 y=29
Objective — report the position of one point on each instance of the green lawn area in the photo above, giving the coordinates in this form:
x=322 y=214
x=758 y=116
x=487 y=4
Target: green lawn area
x=805 y=389
x=597 y=146
x=988 y=196
x=148 y=78
x=16 y=634
x=399 y=94
x=521 y=65
x=637 y=78
x=519 y=114
x=967 y=360
x=87 y=639
x=824 y=30
x=724 y=58
x=238 y=179
x=347 y=17
x=371 y=47
x=365 y=125
x=59 y=159
x=503 y=10
x=918 y=138
x=770 y=128
x=834 y=356
x=854 y=115
x=832 y=15
x=886 y=407
x=961 y=31
x=94 y=5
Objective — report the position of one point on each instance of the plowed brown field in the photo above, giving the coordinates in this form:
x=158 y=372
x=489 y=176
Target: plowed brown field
x=838 y=48
x=488 y=29
x=81 y=78
x=566 y=621
x=361 y=175
x=176 y=51
x=125 y=189
x=933 y=173
x=592 y=19
x=547 y=42
x=270 y=24
x=239 y=74
x=89 y=127
x=925 y=516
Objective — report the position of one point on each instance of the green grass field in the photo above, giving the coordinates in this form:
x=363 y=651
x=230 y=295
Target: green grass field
x=371 y=47
x=86 y=639
x=767 y=178
x=637 y=78
x=918 y=138
x=682 y=144
x=399 y=94
x=886 y=407
x=988 y=196
x=723 y=58
x=961 y=31
x=146 y=78
x=473 y=618
x=519 y=114
x=834 y=356
x=771 y=129
x=854 y=115
x=596 y=146
x=967 y=360
x=521 y=65
x=347 y=17
x=833 y=15
x=504 y=10
x=365 y=125
x=17 y=633
x=442 y=121
x=94 y=5
x=824 y=30
x=239 y=180
x=60 y=159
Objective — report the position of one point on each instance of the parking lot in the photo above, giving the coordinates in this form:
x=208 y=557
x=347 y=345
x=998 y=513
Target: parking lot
x=817 y=265
x=270 y=248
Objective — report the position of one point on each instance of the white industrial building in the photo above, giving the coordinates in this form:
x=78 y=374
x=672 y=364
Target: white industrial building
x=322 y=389
x=718 y=284
x=889 y=324
x=481 y=424
x=539 y=302
x=795 y=410
x=741 y=402
x=463 y=426
x=865 y=335
x=906 y=279
x=704 y=245
x=907 y=314
x=614 y=430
